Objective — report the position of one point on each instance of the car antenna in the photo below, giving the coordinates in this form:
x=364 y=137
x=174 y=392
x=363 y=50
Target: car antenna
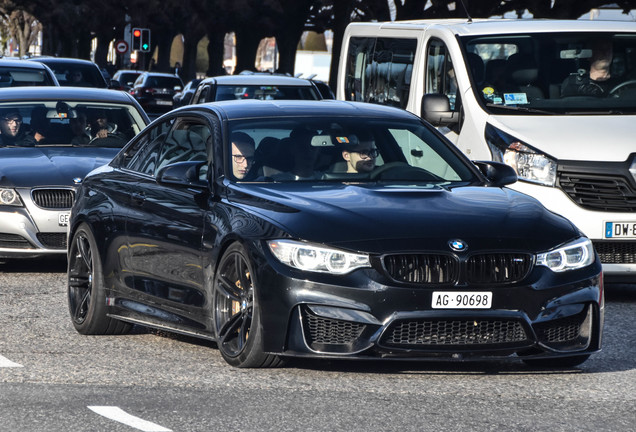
x=466 y=10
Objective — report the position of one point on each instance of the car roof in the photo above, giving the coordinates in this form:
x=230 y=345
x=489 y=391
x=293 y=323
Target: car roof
x=255 y=108
x=493 y=26
x=162 y=74
x=258 y=79
x=61 y=60
x=19 y=63
x=26 y=94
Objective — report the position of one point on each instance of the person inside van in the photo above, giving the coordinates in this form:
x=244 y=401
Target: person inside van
x=598 y=80
x=359 y=151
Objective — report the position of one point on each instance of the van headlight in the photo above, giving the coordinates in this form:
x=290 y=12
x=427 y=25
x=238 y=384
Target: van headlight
x=10 y=197
x=530 y=165
x=315 y=258
x=571 y=256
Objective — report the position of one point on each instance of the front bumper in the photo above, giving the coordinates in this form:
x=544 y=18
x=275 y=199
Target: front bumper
x=32 y=231
x=376 y=321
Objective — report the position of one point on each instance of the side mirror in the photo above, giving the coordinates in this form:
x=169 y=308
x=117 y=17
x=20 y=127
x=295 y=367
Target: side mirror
x=114 y=84
x=498 y=174
x=436 y=110
x=177 y=88
x=189 y=174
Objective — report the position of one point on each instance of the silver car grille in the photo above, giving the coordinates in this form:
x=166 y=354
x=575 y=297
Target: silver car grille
x=53 y=199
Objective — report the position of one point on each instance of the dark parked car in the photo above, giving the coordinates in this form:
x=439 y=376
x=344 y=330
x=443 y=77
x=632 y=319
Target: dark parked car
x=154 y=91
x=349 y=231
x=184 y=97
x=50 y=138
x=18 y=73
x=126 y=78
x=75 y=72
x=255 y=86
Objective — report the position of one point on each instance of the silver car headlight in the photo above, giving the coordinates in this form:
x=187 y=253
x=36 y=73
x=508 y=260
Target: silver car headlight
x=571 y=256
x=530 y=165
x=315 y=258
x=10 y=197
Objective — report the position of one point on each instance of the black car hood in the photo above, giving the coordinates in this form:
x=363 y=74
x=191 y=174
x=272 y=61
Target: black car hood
x=51 y=166
x=372 y=217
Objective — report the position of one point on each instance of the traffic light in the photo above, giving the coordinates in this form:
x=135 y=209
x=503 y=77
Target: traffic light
x=136 y=39
x=145 y=40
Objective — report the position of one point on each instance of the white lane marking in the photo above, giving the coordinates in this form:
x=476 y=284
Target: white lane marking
x=5 y=362
x=121 y=416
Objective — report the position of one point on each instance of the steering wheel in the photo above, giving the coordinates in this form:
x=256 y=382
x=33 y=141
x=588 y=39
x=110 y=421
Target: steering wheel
x=630 y=83
x=110 y=140
x=377 y=172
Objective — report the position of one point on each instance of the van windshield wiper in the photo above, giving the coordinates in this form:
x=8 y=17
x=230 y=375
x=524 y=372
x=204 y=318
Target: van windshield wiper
x=521 y=109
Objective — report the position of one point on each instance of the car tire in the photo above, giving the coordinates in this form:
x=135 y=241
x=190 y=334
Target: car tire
x=557 y=362
x=237 y=327
x=86 y=294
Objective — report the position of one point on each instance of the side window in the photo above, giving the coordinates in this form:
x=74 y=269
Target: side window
x=440 y=73
x=142 y=157
x=203 y=94
x=379 y=70
x=187 y=141
x=358 y=59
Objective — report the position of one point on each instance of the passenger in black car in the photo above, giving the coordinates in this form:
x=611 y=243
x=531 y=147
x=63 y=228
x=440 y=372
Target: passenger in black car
x=79 y=126
x=242 y=154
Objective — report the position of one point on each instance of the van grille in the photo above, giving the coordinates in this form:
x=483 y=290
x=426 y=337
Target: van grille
x=599 y=191
x=616 y=252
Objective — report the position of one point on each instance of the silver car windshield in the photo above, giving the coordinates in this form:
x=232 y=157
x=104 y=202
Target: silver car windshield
x=553 y=73
x=341 y=149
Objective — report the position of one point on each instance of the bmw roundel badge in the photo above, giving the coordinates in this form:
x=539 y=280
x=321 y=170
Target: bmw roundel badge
x=458 y=245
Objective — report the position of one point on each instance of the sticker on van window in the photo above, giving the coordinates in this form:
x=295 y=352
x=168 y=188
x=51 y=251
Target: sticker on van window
x=515 y=98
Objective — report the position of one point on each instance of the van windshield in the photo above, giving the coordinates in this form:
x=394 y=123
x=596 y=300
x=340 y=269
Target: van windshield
x=543 y=73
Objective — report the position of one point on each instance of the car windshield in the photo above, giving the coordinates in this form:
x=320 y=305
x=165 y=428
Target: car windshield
x=342 y=150
x=17 y=76
x=265 y=92
x=80 y=75
x=554 y=73
x=163 y=82
x=68 y=123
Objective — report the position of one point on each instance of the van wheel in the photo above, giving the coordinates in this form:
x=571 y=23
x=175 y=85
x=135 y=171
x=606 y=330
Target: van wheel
x=239 y=335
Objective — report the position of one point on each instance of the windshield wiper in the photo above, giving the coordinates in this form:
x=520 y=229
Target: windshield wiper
x=522 y=109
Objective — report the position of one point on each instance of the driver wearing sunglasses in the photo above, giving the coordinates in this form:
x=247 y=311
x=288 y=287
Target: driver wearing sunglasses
x=359 y=152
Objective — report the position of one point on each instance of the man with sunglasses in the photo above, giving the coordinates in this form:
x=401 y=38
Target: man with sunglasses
x=359 y=152
x=11 y=133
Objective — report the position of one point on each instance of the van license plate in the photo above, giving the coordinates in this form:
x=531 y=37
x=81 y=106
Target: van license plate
x=620 y=229
x=462 y=300
x=63 y=219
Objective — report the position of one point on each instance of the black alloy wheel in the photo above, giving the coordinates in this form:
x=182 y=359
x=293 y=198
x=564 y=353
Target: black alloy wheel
x=236 y=312
x=86 y=295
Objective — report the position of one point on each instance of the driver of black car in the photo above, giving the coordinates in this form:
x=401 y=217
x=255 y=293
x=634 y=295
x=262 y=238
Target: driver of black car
x=598 y=81
x=359 y=152
x=100 y=126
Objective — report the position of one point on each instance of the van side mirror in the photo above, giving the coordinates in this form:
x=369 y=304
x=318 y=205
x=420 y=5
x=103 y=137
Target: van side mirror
x=498 y=174
x=436 y=110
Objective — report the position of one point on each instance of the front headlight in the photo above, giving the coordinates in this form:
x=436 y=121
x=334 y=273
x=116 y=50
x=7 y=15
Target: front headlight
x=571 y=256
x=10 y=197
x=315 y=258
x=530 y=165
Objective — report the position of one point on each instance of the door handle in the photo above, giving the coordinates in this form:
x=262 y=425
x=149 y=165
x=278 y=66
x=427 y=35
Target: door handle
x=138 y=198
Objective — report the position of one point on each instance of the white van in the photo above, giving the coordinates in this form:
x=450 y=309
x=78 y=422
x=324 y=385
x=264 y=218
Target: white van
x=556 y=100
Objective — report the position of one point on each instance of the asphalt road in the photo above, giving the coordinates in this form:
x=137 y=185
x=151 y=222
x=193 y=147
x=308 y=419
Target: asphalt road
x=54 y=379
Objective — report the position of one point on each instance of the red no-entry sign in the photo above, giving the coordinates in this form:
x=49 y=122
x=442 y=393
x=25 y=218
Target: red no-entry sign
x=121 y=46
